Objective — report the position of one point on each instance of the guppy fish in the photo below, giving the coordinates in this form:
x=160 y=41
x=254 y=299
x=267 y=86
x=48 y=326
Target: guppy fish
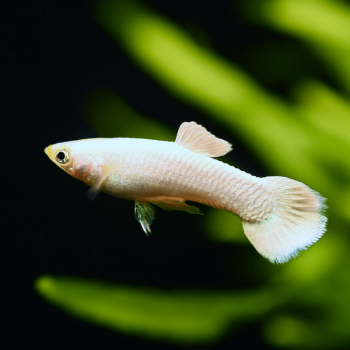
x=280 y=216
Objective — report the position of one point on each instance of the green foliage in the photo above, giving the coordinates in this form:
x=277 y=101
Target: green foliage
x=307 y=140
x=180 y=316
x=109 y=116
x=324 y=24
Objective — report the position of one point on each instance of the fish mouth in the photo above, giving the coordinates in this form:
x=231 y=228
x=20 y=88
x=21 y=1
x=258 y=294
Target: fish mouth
x=49 y=151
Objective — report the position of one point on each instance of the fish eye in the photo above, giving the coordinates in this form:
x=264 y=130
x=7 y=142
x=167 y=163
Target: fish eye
x=62 y=156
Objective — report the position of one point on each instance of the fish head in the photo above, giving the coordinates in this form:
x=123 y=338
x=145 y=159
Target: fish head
x=79 y=159
x=62 y=155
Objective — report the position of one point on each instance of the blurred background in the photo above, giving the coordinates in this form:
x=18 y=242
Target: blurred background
x=272 y=77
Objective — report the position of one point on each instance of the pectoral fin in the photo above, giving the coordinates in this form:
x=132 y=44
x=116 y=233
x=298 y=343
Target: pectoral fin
x=145 y=214
x=96 y=188
x=177 y=205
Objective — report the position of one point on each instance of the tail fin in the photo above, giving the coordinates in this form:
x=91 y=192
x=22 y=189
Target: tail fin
x=295 y=223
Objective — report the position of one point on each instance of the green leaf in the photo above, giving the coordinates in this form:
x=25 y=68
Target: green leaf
x=180 y=316
x=327 y=27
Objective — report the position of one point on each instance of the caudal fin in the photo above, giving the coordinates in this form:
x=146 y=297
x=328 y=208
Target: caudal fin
x=295 y=223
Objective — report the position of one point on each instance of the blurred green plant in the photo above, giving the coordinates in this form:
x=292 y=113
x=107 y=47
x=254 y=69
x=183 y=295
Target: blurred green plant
x=101 y=109
x=323 y=24
x=307 y=140
x=180 y=316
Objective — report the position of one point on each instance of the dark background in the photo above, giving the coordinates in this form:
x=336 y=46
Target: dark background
x=53 y=55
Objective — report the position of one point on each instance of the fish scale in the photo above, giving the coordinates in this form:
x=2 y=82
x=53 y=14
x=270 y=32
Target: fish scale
x=191 y=169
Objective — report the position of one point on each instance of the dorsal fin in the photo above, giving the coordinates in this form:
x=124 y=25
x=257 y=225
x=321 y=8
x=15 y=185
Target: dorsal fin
x=198 y=139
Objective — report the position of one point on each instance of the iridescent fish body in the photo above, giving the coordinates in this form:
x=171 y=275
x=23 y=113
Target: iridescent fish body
x=280 y=216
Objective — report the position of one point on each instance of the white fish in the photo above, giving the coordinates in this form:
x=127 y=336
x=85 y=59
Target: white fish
x=280 y=216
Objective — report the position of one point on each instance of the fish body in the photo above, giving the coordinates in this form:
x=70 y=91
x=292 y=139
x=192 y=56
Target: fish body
x=280 y=216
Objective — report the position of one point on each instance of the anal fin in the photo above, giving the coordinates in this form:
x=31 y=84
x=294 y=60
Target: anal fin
x=168 y=204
